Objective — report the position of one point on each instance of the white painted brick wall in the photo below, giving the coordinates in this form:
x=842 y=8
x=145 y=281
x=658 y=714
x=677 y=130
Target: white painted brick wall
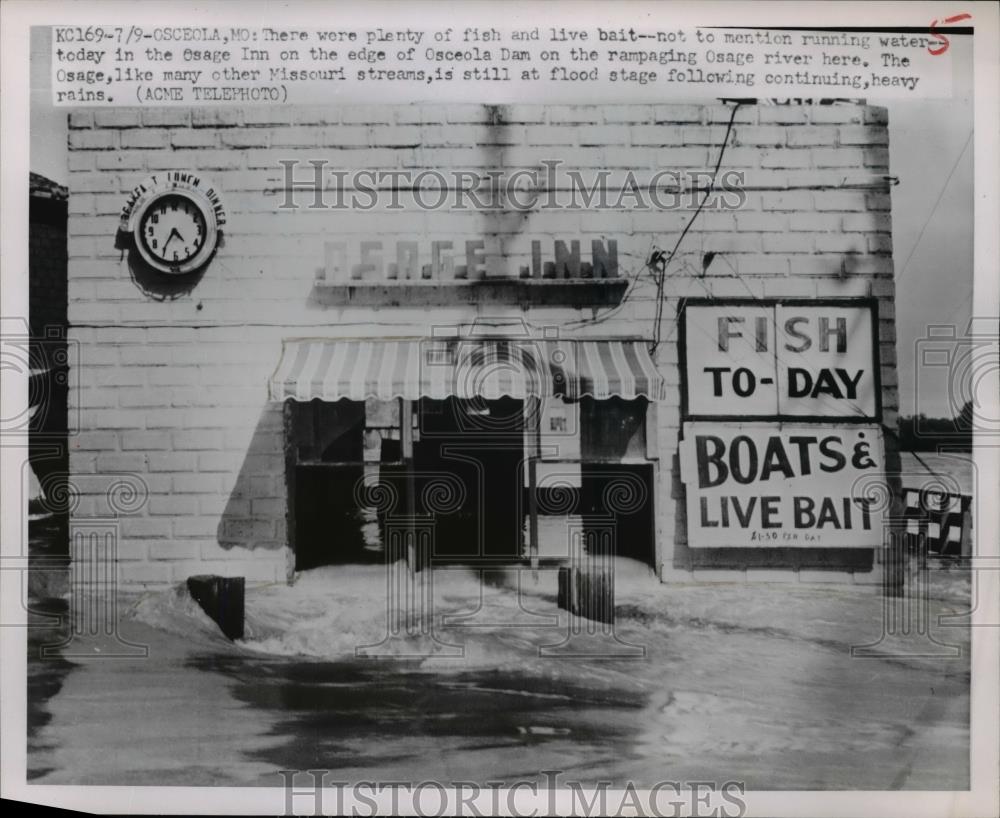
x=174 y=392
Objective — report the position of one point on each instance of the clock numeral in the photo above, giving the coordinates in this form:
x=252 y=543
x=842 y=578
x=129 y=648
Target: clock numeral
x=173 y=241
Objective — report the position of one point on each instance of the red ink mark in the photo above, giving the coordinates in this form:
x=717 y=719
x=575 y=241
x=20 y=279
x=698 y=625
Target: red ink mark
x=945 y=42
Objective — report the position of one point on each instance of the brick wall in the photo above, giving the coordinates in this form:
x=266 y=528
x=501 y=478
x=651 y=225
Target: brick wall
x=173 y=392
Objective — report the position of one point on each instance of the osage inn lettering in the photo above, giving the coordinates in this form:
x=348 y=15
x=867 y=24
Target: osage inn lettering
x=376 y=260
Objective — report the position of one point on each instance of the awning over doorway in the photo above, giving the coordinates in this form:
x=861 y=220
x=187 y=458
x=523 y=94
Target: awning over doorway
x=464 y=368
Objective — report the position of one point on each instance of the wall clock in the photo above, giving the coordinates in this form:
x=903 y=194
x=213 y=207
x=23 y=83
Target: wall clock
x=174 y=222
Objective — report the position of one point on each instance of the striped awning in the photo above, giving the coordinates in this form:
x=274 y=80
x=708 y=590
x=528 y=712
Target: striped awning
x=464 y=368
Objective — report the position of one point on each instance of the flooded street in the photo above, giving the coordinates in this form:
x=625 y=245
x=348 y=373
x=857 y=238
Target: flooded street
x=747 y=682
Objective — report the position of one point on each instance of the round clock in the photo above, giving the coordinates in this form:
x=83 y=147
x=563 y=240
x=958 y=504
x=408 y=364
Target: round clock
x=174 y=234
x=174 y=222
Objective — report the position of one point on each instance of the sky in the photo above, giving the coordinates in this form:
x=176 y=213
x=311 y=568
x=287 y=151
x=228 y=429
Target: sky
x=930 y=152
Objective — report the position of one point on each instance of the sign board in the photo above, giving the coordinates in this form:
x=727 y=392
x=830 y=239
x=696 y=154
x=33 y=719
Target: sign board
x=377 y=261
x=558 y=444
x=770 y=485
x=780 y=359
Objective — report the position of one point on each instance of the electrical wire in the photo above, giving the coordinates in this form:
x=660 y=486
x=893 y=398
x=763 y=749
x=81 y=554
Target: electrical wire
x=934 y=208
x=664 y=264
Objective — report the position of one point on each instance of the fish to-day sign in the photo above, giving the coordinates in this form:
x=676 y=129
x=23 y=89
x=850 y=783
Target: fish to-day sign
x=780 y=359
x=783 y=485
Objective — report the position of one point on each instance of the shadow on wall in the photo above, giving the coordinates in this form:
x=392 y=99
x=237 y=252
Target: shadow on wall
x=161 y=286
x=255 y=513
x=682 y=554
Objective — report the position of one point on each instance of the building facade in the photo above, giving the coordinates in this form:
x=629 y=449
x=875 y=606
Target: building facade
x=493 y=376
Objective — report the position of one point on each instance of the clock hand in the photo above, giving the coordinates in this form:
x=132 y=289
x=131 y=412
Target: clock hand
x=173 y=232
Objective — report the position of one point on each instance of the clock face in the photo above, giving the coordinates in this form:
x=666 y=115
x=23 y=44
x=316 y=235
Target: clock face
x=173 y=233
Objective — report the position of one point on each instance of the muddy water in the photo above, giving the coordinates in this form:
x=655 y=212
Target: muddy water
x=751 y=683
x=401 y=724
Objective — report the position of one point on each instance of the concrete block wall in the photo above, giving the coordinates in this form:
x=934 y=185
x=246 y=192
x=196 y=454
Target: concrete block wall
x=174 y=391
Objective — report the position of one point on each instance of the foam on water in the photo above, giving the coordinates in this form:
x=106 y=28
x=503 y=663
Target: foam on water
x=463 y=619
x=467 y=618
x=340 y=611
x=175 y=611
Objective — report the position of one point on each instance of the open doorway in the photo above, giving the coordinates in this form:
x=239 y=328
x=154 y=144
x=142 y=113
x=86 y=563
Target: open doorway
x=326 y=442
x=617 y=478
x=481 y=444
x=467 y=476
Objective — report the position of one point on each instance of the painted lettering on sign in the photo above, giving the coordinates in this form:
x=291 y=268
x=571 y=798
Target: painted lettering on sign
x=796 y=486
x=378 y=261
x=780 y=360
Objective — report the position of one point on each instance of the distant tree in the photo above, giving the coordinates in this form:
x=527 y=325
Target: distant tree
x=966 y=418
x=919 y=433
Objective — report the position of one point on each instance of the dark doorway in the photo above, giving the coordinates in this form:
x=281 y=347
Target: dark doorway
x=624 y=492
x=326 y=441
x=481 y=444
x=616 y=479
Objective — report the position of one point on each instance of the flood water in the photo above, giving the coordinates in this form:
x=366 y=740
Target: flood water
x=411 y=725
x=754 y=683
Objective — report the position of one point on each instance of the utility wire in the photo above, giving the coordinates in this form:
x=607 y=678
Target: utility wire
x=665 y=263
x=937 y=201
